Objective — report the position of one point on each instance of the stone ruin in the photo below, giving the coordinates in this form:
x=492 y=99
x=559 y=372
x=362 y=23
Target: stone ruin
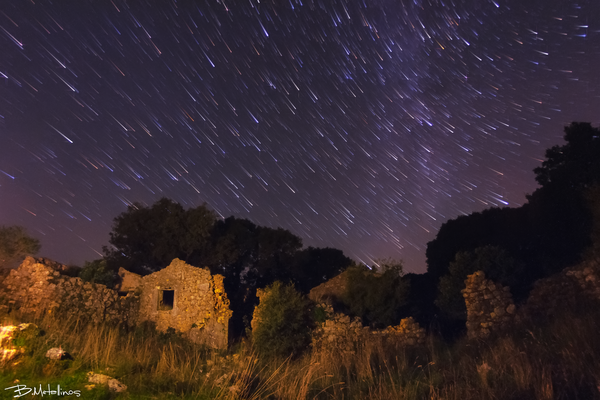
x=489 y=306
x=185 y=298
x=567 y=289
x=341 y=333
x=38 y=288
x=331 y=291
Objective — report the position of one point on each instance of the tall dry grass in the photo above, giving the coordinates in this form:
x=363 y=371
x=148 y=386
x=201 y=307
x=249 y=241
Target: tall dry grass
x=558 y=358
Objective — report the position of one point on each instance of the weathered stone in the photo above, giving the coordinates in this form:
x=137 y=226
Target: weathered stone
x=563 y=290
x=487 y=308
x=129 y=281
x=57 y=353
x=173 y=298
x=193 y=301
x=98 y=378
x=116 y=386
x=331 y=291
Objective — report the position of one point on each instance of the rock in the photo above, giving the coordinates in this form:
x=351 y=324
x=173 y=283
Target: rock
x=57 y=353
x=116 y=386
x=98 y=378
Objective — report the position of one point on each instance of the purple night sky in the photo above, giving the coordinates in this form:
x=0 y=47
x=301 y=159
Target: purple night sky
x=356 y=124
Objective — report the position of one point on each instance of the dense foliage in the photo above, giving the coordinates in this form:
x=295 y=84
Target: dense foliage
x=376 y=296
x=15 y=244
x=146 y=239
x=97 y=271
x=548 y=233
x=282 y=322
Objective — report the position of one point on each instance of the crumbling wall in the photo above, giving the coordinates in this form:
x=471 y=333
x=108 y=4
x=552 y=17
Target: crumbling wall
x=330 y=292
x=197 y=304
x=128 y=281
x=339 y=334
x=489 y=306
x=407 y=333
x=37 y=287
x=566 y=289
x=342 y=334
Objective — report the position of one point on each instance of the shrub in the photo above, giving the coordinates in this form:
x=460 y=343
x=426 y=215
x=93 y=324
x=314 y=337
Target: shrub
x=281 y=323
x=15 y=244
x=98 y=272
x=376 y=296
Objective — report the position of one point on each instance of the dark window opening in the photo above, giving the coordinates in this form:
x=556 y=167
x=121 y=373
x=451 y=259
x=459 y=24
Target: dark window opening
x=166 y=300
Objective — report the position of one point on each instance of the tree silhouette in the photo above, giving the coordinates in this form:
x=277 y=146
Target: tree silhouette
x=147 y=239
x=548 y=233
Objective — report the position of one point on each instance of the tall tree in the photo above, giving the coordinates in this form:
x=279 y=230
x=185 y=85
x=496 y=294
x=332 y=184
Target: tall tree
x=312 y=266
x=576 y=164
x=147 y=239
x=551 y=230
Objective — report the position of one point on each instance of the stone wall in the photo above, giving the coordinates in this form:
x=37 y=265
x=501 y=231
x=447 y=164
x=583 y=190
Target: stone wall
x=330 y=292
x=37 y=287
x=342 y=334
x=407 y=333
x=567 y=289
x=339 y=334
x=188 y=299
x=185 y=298
x=489 y=306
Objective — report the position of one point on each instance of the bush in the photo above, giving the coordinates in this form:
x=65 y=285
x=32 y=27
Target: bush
x=281 y=323
x=98 y=272
x=15 y=244
x=376 y=297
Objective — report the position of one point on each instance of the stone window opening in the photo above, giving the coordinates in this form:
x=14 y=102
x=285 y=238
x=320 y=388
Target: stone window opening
x=166 y=300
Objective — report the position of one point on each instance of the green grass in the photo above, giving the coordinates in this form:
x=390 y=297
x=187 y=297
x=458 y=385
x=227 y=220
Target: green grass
x=558 y=358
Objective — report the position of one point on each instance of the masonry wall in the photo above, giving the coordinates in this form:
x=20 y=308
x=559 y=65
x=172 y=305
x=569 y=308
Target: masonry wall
x=37 y=288
x=490 y=307
x=567 y=289
x=199 y=308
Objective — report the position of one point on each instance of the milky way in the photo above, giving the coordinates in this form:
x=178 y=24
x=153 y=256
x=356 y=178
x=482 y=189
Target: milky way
x=360 y=125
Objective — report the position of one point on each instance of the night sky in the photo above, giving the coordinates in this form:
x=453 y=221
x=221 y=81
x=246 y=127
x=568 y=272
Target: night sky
x=356 y=124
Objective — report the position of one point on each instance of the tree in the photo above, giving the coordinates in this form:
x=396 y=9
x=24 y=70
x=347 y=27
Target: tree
x=147 y=239
x=250 y=257
x=282 y=321
x=498 y=266
x=376 y=296
x=576 y=164
x=312 y=266
x=508 y=228
x=15 y=244
x=551 y=230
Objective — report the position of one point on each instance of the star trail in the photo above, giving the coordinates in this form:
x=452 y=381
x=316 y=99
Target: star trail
x=356 y=124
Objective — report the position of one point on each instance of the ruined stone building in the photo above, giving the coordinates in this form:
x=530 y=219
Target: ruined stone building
x=185 y=298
